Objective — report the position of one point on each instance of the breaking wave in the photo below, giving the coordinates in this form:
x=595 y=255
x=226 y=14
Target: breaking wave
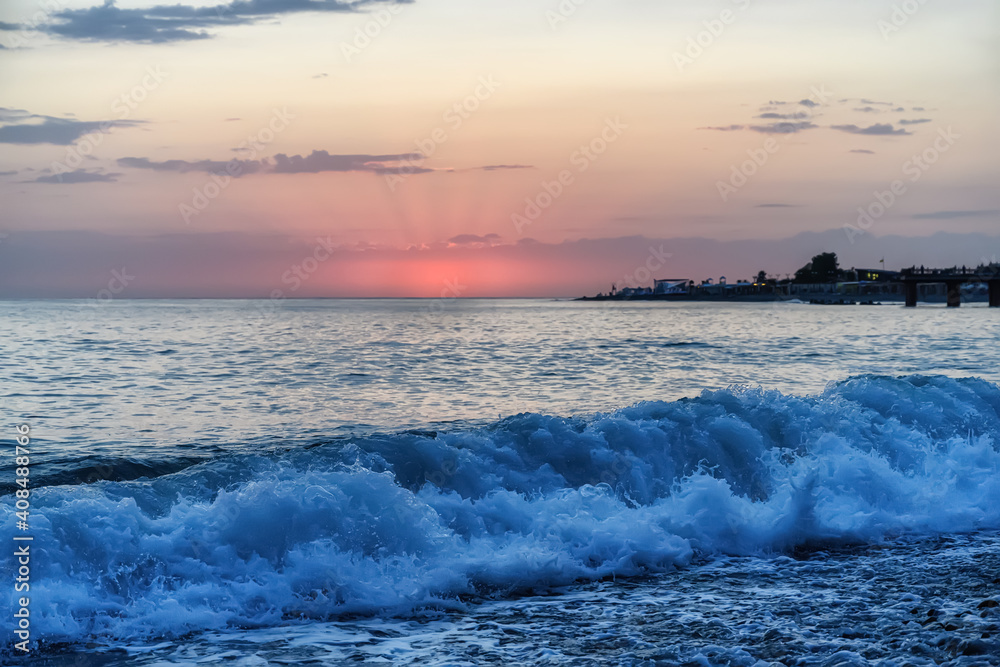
x=390 y=524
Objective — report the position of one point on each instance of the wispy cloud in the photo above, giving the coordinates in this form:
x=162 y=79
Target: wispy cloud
x=724 y=128
x=876 y=129
x=473 y=239
x=18 y=126
x=914 y=121
x=176 y=23
x=786 y=127
x=77 y=176
x=242 y=167
x=500 y=167
x=862 y=150
x=318 y=161
x=798 y=115
x=314 y=163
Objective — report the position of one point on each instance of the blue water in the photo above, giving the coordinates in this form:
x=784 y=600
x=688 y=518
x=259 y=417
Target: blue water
x=502 y=482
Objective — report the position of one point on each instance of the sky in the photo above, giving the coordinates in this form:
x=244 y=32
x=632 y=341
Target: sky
x=457 y=148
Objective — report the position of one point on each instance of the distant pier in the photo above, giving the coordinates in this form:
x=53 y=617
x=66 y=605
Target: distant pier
x=953 y=279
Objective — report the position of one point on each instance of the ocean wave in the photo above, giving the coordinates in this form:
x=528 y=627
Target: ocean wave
x=393 y=523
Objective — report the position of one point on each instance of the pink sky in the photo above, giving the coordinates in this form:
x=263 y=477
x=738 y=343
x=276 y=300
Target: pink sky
x=453 y=135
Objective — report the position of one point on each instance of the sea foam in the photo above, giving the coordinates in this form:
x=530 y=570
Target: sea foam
x=389 y=524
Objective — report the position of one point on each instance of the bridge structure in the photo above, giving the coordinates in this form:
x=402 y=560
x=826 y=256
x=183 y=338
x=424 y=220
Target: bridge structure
x=953 y=279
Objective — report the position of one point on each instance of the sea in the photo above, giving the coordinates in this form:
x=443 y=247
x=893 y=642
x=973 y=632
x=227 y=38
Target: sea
x=501 y=482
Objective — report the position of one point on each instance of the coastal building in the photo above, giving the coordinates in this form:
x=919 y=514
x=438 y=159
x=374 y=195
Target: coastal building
x=672 y=286
x=844 y=286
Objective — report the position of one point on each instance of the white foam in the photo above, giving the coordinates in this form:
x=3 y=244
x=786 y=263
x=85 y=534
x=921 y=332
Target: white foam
x=390 y=524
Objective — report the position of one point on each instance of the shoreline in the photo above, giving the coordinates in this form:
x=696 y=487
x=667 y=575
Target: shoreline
x=815 y=298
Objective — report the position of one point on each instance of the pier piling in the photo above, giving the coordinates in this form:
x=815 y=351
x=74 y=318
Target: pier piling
x=954 y=293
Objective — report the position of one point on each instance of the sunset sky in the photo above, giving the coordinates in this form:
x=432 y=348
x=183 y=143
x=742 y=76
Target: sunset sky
x=487 y=148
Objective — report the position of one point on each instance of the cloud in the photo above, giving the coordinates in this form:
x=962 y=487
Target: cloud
x=787 y=127
x=914 y=121
x=876 y=129
x=867 y=101
x=77 y=176
x=498 y=167
x=318 y=161
x=314 y=163
x=808 y=103
x=8 y=115
x=405 y=169
x=58 y=131
x=234 y=167
x=785 y=116
x=951 y=215
x=724 y=128
x=472 y=239
x=867 y=109
x=177 y=23
x=862 y=150
x=321 y=75
x=8 y=173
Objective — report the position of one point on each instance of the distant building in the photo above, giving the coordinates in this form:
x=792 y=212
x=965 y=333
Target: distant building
x=874 y=275
x=635 y=291
x=671 y=286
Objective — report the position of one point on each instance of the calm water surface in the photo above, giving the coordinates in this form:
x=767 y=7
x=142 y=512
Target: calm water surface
x=127 y=375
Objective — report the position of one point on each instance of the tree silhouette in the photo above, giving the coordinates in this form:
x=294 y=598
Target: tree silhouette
x=822 y=269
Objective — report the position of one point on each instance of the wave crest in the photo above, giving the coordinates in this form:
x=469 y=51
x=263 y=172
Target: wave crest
x=397 y=522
